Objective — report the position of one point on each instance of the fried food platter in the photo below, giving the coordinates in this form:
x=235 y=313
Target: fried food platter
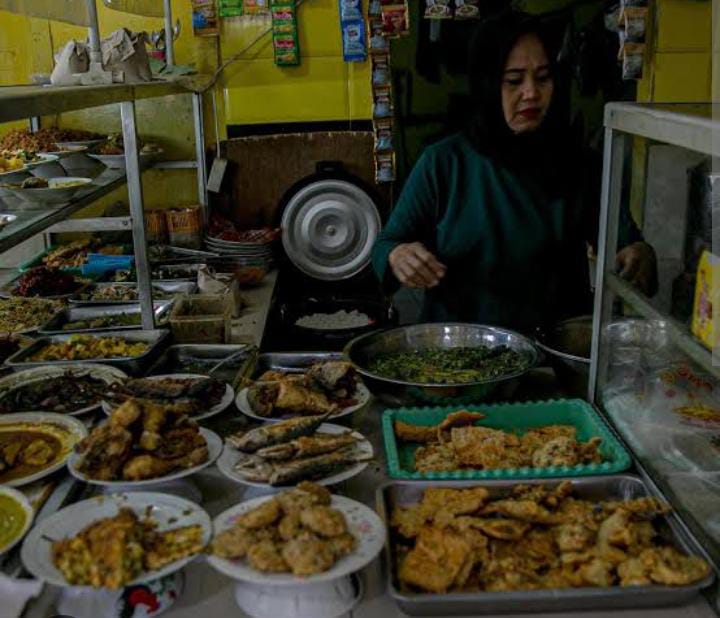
x=233 y=461
x=169 y=512
x=203 y=414
x=20 y=432
x=362 y=522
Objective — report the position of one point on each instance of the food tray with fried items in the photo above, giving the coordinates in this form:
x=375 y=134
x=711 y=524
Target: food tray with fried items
x=543 y=439
x=70 y=257
x=303 y=384
x=502 y=547
x=131 y=351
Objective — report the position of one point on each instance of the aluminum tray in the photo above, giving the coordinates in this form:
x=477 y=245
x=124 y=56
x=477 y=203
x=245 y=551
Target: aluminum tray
x=292 y=362
x=194 y=357
x=574 y=599
x=134 y=365
x=173 y=287
x=55 y=325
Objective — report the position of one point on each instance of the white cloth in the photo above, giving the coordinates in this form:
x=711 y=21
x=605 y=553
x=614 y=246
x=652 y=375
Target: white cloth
x=15 y=593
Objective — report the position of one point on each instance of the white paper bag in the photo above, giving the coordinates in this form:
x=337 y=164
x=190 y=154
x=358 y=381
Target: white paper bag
x=125 y=51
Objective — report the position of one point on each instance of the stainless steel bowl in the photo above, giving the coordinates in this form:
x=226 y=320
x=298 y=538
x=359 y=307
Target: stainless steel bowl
x=362 y=350
x=567 y=345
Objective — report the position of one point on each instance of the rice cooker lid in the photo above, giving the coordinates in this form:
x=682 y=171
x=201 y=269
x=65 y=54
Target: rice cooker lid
x=329 y=228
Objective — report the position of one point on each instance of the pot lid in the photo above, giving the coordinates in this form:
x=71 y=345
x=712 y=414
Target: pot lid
x=329 y=228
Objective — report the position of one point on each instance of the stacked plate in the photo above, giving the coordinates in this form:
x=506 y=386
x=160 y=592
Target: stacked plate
x=249 y=253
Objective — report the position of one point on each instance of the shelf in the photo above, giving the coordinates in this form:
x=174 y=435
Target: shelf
x=22 y=102
x=687 y=125
x=32 y=221
x=678 y=332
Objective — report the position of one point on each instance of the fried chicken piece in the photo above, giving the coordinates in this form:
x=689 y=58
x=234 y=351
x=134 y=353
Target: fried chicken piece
x=550 y=497
x=233 y=543
x=126 y=414
x=560 y=451
x=632 y=572
x=179 y=442
x=452 y=501
x=303 y=496
x=572 y=510
x=308 y=557
x=294 y=397
x=533 y=439
x=173 y=545
x=613 y=532
x=437 y=560
x=597 y=572
x=666 y=565
x=272 y=375
x=105 y=451
x=573 y=537
x=149 y=466
x=324 y=521
x=415 y=433
x=646 y=508
x=459 y=419
x=524 y=510
x=153 y=419
x=37 y=453
x=435 y=458
x=477 y=540
x=506 y=574
x=589 y=453
x=265 y=556
x=264 y=515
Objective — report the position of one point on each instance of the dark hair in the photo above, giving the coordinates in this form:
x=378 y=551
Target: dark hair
x=489 y=49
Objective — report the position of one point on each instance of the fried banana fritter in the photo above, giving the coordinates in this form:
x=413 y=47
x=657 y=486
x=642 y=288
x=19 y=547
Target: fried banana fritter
x=533 y=537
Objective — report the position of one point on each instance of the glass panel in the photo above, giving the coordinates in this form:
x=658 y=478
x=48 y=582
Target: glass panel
x=68 y=11
x=148 y=8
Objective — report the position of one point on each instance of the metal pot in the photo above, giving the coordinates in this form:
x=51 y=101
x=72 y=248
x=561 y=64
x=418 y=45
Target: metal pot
x=362 y=350
x=567 y=345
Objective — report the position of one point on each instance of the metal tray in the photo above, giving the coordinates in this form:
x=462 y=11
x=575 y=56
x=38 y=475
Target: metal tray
x=292 y=362
x=72 y=314
x=193 y=267
x=6 y=291
x=200 y=358
x=134 y=365
x=173 y=287
x=623 y=487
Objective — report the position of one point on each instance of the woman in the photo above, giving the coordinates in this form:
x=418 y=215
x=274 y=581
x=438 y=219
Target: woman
x=494 y=223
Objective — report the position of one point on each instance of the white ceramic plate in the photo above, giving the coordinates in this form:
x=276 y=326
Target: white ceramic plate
x=118 y=161
x=106 y=373
x=214 y=444
x=168 y=511
x=42 y=160
x=241 y=401
x=231 y=456
x=86 y=144
x=76 y=430
x=24 y=503
x=65 y=151
x=227 y=399
x=364 y=524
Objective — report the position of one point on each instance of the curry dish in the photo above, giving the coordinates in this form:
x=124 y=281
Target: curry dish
x=27 y=451
x=533 y=537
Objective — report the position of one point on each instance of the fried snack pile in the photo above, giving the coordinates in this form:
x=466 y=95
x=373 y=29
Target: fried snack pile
x=112 y=552
x=324 y=388
x=297 y=531
x=535 y=537
x=459 y=444
x=140 y=441
x=293 y=450
x=86 y=347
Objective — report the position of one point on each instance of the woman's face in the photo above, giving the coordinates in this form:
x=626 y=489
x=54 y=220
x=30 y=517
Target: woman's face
x=527 y=85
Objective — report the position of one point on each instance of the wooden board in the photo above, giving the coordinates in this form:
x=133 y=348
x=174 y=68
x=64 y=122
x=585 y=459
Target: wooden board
x=263 y=168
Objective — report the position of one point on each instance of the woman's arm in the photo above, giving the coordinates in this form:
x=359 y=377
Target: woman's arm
x=402 y=253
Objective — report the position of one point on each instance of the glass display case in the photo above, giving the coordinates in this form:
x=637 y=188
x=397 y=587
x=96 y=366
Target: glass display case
x=654 y=380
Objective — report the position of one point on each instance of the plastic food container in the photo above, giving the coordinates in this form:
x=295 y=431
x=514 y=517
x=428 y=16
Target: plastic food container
x=511 y=417
x=202 y=318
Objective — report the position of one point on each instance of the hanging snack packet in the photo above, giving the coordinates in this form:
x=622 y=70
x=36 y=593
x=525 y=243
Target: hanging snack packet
x=383 y=135
x=285 y=37
x=353 y=39
x=385 y=167
x=395 y=20
x=632 y=60
x=350 y=9
x=374 y=8
x=467 y=9
x=437 y=9
x=378 y=43
x=382 y=103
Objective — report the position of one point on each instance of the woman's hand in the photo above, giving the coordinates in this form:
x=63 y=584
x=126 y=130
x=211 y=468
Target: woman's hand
x=415 y=267
x=637 y=264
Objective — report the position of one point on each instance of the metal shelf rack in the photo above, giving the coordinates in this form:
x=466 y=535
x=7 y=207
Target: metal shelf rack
x=32 y=102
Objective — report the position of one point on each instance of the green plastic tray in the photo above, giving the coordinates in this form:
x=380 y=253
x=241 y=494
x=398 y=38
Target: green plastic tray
x=512 y=417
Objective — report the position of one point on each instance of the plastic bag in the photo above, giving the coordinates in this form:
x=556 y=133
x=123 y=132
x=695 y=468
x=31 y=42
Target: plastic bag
x=74 y=58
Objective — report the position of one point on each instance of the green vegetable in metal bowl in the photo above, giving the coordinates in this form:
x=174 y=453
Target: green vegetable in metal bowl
x=449 y=365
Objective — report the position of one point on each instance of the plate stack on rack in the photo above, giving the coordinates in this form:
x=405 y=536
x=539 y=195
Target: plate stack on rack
x=250 y=247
